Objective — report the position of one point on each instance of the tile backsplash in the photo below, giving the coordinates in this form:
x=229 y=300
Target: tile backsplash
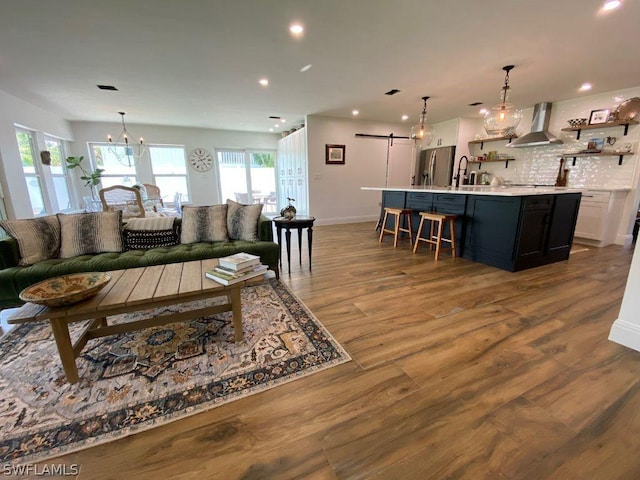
x=541 y=164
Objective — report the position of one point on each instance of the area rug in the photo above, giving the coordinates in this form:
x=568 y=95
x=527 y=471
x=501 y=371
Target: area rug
x=139 y=380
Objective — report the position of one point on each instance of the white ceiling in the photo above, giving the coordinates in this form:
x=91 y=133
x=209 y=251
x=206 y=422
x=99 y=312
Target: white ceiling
x=197 y=63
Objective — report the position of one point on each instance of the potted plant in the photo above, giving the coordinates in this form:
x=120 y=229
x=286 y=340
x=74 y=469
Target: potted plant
x=91 y=179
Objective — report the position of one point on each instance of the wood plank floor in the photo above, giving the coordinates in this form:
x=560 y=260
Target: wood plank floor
x=459 y=370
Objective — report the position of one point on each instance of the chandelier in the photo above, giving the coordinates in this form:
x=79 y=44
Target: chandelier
x=504 y=118
x=128 y=153
x=422 y=133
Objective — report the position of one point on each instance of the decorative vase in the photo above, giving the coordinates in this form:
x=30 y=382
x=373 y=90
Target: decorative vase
x=289 y=212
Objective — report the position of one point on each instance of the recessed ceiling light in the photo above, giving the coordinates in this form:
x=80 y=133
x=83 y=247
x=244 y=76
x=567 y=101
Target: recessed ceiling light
x=405 y=117
x=585 y=87
x=355 y=112
x=484 y=111
x=271 y=129
x=283 y=120
x=276 y=125
x=305 y=68
x=264 y=82
x=296 y=29
x=611 y=5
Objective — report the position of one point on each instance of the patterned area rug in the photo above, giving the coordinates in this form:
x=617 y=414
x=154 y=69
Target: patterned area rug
x=139 y=380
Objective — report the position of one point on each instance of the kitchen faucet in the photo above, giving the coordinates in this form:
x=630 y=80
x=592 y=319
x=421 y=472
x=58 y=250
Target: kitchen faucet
x=464 y=172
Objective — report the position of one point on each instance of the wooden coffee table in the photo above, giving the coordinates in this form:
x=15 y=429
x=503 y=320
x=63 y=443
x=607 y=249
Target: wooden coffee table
x=132 y=290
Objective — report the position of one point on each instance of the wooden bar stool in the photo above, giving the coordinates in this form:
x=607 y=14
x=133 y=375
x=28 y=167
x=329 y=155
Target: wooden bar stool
x=437 y=239
x=398 y=213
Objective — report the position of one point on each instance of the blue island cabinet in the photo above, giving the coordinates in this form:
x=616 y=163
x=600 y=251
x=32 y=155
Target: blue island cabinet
x=517 y=233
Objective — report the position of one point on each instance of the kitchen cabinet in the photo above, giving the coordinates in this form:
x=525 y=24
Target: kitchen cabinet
x=453 y=205
x=418 y=202
x=599 y=217
x=505 y=227
x=516 y=233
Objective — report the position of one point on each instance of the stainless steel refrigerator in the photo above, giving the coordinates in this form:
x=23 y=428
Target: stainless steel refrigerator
x=434 y=166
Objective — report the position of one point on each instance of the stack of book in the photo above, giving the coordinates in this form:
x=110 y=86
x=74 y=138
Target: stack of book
x=237 y=268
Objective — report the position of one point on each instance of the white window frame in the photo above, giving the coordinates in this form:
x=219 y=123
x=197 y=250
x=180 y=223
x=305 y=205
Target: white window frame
x=38 y=170
x=64 y=175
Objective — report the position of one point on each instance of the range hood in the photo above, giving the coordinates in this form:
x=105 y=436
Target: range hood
x=539 y=134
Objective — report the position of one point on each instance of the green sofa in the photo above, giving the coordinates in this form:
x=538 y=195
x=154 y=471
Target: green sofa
x=14 y=278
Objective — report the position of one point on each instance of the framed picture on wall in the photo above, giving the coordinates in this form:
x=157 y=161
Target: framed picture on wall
x=334 y=154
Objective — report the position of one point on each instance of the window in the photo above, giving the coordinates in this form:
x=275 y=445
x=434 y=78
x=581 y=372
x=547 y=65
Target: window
x=115 y=173
x=248 y=177
x=58 y=173
x=31 y=174
x=169 y=170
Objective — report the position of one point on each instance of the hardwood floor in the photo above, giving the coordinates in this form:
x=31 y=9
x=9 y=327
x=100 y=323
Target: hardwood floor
x=459 y=370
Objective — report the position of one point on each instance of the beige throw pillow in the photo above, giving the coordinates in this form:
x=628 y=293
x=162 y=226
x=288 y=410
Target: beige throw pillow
x=38 y=238
x=87 y=233
x=204 y=224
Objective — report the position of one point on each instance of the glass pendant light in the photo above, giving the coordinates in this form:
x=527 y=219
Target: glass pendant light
x=422 y=133
x=504 y=118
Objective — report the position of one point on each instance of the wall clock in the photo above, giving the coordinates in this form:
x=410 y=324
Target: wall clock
x=200 y=159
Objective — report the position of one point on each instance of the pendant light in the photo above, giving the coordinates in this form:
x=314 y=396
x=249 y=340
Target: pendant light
x=422 y=133
x=504 y=118
x=127 y=153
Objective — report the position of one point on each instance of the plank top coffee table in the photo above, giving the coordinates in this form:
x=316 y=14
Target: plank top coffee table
x=131 y=290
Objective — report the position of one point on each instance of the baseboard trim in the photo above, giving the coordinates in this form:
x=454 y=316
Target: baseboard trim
x=335 y=221
x=625 y=333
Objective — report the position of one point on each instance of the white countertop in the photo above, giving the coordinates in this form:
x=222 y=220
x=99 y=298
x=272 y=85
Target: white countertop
x=504 y=191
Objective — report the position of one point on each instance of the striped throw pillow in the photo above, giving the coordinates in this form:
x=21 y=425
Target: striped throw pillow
x=242 y=220
x=38 y=238
x=87 y=233
x=204 y=224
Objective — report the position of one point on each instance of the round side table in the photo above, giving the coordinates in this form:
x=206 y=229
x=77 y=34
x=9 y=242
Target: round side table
x=298 y=222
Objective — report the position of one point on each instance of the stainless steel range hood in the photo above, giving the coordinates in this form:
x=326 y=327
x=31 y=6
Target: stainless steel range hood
x=539 y=134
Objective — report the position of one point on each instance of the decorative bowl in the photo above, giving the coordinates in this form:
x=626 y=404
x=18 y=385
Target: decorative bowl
x=65 y=290
x=577 y=122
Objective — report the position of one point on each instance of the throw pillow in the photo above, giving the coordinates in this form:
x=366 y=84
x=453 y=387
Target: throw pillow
x=87 y=233
x=146 y=239
x=38 y=238
x=242 y=220
x=204 y=224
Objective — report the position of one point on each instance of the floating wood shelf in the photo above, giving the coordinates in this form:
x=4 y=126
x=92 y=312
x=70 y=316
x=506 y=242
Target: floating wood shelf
x=620 y=155
x=505 y=160
x=619 y=123
x=492 y=139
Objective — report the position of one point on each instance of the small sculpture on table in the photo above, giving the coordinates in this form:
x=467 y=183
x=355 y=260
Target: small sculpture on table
x=289 y=212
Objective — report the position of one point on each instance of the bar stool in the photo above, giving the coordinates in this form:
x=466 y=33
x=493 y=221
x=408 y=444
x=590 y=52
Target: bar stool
x=398 y=213
x=437 y=239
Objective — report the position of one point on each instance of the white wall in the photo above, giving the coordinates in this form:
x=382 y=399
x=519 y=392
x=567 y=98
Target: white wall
x=626 y=329
x=14 y=111
x=204 y=185
x=334 y=190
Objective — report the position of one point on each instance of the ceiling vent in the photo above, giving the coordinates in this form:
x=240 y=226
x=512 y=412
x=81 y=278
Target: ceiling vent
x=475 y=104
x=107 y=87
x=392 y=91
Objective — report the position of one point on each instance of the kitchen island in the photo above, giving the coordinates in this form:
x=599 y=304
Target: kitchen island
x=512 y=228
